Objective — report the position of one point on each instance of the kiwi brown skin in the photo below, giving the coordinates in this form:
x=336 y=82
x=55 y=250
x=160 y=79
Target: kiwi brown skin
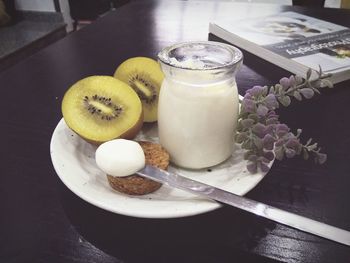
x=131 y=133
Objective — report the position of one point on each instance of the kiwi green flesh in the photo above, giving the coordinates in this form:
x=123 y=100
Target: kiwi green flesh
x=145 y=89
x=96 y=117
x=129 y=134
x=103 y=107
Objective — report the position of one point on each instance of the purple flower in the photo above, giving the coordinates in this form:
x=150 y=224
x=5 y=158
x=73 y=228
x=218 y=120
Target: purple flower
x=269 y=156
x=271 y=102
x=252 y=167
x=271 y=121
x=272 y=118
x=281 y=130
x=264 y=168
x=256 y=91
x=259 y=130
x=290 y=153
x=285 y=83
x=293 y=143
x=307 y=92
x=248 y=105
x=279 y=153
x=270 y=128
x=292 y=81
x=247 y=123
x=272 y=114
x=262 y=110
x=279 y=143
x=248 y=96
x=268 y=142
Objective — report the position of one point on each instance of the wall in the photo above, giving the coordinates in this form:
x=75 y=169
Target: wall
x=35 y=5
x=64 y=6
x=46 y=6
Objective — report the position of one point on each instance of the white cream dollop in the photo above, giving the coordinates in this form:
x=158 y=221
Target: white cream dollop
x=120 y=157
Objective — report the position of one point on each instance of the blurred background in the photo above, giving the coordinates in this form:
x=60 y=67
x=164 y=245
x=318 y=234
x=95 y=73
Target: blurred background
x=26 y=26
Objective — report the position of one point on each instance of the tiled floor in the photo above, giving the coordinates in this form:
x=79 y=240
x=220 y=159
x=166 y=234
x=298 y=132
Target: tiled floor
x=32 y=31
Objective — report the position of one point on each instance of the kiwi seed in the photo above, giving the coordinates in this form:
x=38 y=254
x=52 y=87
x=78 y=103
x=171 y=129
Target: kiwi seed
x=102 y=107
x=145 y=77
x=144 y=89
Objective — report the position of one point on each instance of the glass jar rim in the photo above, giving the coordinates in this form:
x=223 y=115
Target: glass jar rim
x=164 y=55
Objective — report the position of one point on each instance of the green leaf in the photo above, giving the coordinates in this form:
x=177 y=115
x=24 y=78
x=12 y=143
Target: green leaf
x=285 y=101
x=254 y=117
x=248 y=154
x=308 y=73
x=298 y=80
x=240 y=137
x=297 y=95
x=279 y=153
x=265 y=90
x=258 y=142
x=327 y=83
x=247 y=123
x=320 y=72
x=308 y=93
x=279 y=88
x=299 y=131
x=312 y=147
x=308 y=141
x=252 y=128
x=248 y=145
x=316 y=90
x=239 y=126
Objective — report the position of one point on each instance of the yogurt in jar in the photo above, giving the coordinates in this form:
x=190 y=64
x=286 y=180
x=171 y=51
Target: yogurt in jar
x=198 y=103
x=196 y=124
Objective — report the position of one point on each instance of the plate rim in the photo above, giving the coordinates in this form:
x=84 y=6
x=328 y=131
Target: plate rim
x=210 y=205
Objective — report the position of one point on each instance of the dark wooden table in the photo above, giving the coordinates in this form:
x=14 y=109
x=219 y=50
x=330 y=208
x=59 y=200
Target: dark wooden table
x=42 y=221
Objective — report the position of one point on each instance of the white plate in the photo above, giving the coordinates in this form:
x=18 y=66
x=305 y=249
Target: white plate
x=74 y=162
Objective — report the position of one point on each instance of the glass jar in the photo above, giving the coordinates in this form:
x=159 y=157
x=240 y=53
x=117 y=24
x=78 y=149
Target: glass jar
x=198 y=102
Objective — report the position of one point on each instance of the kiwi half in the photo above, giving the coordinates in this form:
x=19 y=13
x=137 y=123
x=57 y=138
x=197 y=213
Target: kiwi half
x=102 y=108
x=145 y=77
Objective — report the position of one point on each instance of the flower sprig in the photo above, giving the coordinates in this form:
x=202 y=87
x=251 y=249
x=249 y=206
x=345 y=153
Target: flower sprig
x=259 y=130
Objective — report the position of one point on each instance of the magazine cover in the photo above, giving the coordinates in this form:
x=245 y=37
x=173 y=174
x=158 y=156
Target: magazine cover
x=309 y=41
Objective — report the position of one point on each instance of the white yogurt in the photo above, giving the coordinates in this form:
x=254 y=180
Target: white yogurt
x=120 y=157
x=198 y=102
x=197 y=122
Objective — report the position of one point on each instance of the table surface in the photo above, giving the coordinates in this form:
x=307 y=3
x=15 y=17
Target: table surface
x=42 y=221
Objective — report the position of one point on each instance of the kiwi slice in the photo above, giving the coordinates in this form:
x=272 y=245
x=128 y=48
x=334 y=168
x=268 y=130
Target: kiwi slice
x=145 y=77
x=102 y=108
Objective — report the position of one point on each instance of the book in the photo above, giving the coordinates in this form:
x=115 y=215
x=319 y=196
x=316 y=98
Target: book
x=292 y=41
